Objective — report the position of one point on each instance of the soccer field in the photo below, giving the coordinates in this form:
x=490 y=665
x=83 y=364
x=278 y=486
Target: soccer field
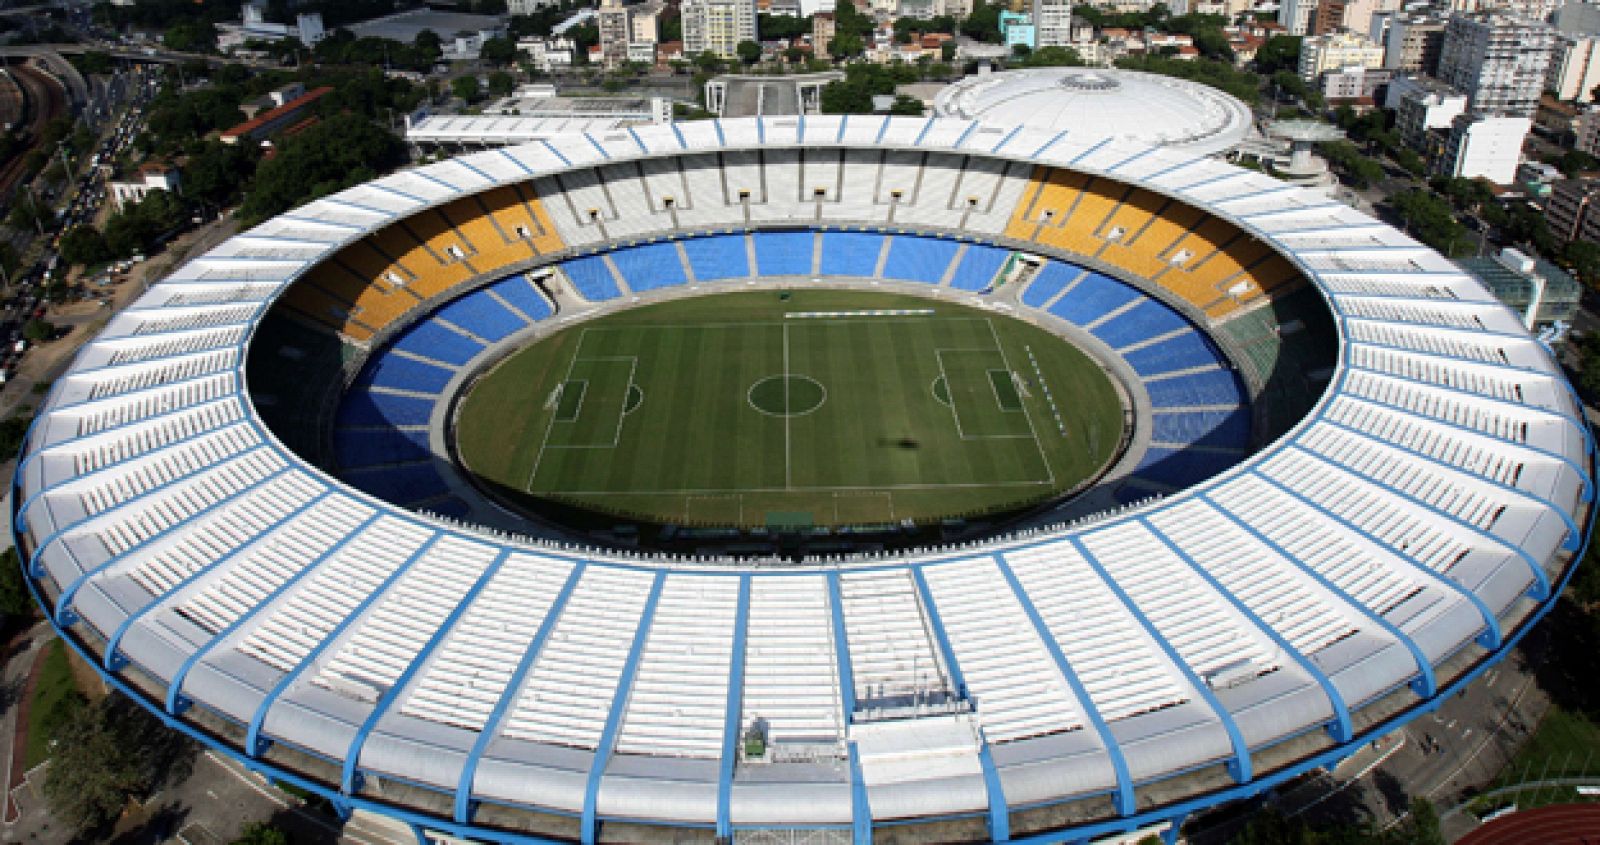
x=740 y=409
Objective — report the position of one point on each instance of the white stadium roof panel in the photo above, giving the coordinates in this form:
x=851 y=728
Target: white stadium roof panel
x=1427 y=503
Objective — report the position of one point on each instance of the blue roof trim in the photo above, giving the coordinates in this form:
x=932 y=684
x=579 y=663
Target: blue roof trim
x=422 y=172
x=619 y=705
x=175 y=701
x=882 y=128
x=1130 y=159
x=1572 y=527
x=936 y=624
x=1006 y=139
x=1123 y=796
x=1541 y=587
x=596 y=144
x=860 y=807
x=113 y=661
x=44 y=448
x=65 y=600
x=356 y=206
x=800 y=129
x=841 y=648
x=1289 y=209
x=1092 y=150
x=514 y=160
x=716 y=123
x=1427 y=353
x=502 y=706
x=1340 y=727
x=637 y=140
x=555 y=152
x=1424 y=681
x=683 y=144
x=380 y=186
x=316 y=221
x=961 y=140
x=1264 y=192
x=1240 y=768
x=348 y=780
x=927 y=125
x=732 y=710
x=1231 y=173
x=761 y=130
x=1048 y=144
x=253 y=743
x=1472 y=397
x=1174 y=168
x=466 y=161
x=844 y=120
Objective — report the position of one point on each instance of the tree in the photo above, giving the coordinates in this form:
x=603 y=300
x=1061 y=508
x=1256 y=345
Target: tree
x=340 y=151
x=259 y=833
x=429 y=43
x=1280 y=52
x=15 y=601
x=907 y=106
x=983 y=24
x=501 y=84
x=1584 y=260
x=467 y=88
x=794 y=55
x=110 y=752
x=191 y=35
x=38 y=331
x=947 y=51
x=846 y=46
x=84 y=245
x=749 y=52
x=498 y=51
x=217 y=172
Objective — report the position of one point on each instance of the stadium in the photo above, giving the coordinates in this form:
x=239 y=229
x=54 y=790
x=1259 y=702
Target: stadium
x=1344 y=482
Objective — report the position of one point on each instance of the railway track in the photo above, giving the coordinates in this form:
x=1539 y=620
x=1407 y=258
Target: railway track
x=43 y=101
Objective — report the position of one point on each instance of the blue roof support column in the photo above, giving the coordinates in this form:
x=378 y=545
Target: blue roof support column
x=999 y=811
x=841 y=648
x=1424 y=679
x=1541 y=583
x=350 y=776
x=1239 y=768
x=114 y=661
x=491 y=726
x=64 y=612
x=732 y=717
x=176 y=703
x=619 y=705
x=1339 y=728
x=254 y=745
x=860 y=810
x=1170 y=835
x=1123 y=796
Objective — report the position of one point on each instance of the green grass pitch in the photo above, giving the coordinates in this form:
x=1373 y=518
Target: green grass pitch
x=724 y=409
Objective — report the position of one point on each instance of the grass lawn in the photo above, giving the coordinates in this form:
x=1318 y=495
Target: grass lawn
x=726 y=409
x=55 y=699
x=1566 y=744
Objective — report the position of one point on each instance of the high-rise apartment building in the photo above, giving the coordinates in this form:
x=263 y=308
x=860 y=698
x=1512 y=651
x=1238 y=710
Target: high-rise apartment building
x=717 y=26
x=1499 y=62
x=1320 y=53
x=1412 y=44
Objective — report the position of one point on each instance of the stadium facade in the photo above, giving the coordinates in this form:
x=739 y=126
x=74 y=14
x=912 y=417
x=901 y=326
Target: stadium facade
x=1127 y=670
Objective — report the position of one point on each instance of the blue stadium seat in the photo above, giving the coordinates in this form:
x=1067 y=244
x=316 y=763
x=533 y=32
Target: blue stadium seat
x=978 y=266
x=398 y=371
x=479 y=313
x=592 y=278
x=650 y=266
x=402 y=484
x=919 y=259
x=1221 y=429
x=1093 y=297
x=1179 y=352
x=1051 y=280
x=356 y=448
x=1212 y=387
x=718 y=257
x=439 y=343
x=1181 y=468
x=522 y=295
x=1141 y=322
x=369 y=408
x=783 y=253
x=850 y=253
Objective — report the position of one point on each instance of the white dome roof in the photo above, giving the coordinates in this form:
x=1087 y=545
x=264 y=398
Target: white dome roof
x=1158 y=110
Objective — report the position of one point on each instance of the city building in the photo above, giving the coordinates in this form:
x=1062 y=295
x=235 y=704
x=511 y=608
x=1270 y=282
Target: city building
x=737 y=95
x=1499 y=62
x=1358 y=86
x=1056 y=25
x=615 y=32
x=548 y=54
x=1482 y=146
x=253 y=26
x=1540 y=292
x=1295 y=15
x=271 y=122
x=1578 y=19
x=1320 y=53
x=1411 y=44
x=533 y=113
x=717 y=26
x=528 y=7
x=151 y=176
x=1573 y=208
x=1586 y=132
x=1536 y=178
x=1422 y=104
x=823 y=28
x=1574 y=67
x=1017 y=29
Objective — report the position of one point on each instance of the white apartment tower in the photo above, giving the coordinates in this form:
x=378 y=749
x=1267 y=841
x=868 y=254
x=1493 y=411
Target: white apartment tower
x=717 y=25
x=1499 y=62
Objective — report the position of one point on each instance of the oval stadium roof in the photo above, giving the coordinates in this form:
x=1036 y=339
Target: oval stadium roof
x=1159 y=110
x=1100 y=676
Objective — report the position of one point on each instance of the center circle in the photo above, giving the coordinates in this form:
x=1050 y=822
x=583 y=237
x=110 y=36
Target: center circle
x=787 y=395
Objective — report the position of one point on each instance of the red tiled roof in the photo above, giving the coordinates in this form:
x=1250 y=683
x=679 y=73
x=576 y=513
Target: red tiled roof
x=266 y=117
